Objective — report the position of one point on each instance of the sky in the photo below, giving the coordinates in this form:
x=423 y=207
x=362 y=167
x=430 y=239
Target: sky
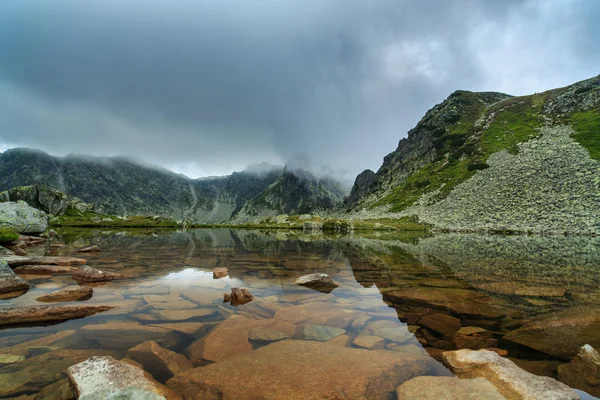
x=206 y=87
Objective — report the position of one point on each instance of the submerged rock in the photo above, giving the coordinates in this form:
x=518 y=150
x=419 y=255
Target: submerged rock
x=11 y=285
x=320 y=282
x=34 y=314
x=89 y=274
x=71 y=293
x=220 y=272
x=161 y=363
x=321 y=333
x=90 y=249
x=298 y=369
x=510 y=380
x=369 y=342
x=447 y=388
x=264 y=336
x=238 y=297
x=107 y=378
x=583 y=372
x=22 y=217
x=125 y=335
x=562 y=333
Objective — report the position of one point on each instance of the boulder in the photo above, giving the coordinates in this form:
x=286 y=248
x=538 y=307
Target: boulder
x=583 y=372
x=125 y=335
x=22 y=217
x=107 y=378
x=161 y=363
x=319 y=282
x=298 y=369
x=441 y=323
x=45 y=270
x=510 y=380
x=11 y=285
x=321 y=333
x=561 y=333
x=71 y=293
x=238 y=297
x=88 y=274
x=51 y=313
x=231 y=337
x=90 y=249
x=264 y=336
x=220 y=272
x=59 y=390
x=473 y=342
x=447 y=388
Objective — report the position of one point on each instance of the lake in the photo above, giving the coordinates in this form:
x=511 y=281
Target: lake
x=411 y=294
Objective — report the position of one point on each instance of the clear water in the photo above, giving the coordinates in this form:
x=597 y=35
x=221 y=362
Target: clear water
x=497 y=283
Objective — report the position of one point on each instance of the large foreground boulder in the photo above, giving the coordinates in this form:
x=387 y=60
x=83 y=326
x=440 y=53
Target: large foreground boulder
x=562 y=333
x=22 y=217
x=510 y=380
x=106 y=378
x=583 y=372
x=447 y=388
x=51 y=313
x=297 y=369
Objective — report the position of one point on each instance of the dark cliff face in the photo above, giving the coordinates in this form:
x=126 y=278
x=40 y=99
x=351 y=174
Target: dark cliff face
x=360 y=188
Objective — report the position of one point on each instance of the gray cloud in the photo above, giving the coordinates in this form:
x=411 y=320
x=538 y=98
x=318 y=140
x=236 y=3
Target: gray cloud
x=206 y=87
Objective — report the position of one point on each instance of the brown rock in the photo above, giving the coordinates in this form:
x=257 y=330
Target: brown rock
x=296 y=369
x=473 y=342
x=71 y=293
x=264 y=336
x=189 y=328
x=562 y=333
x=161 y=363
x=17 y=261
x=45 y=269
x=230 y=338
x=319 y=282
x=435 y=353
x=105 y=377
x=11 y=285
x=500 y=352
x=34 y=314
x=220 y=272
x=369 y=342
x=90 y=249
x=125 y=335
x=89 y=274
x=583 y=372
x=470 y=330
x=60 y=390
x=183 y=315
x=312 y=313
x=441 y=323
x=447 y=388
x=511 y=381
x=238 y=296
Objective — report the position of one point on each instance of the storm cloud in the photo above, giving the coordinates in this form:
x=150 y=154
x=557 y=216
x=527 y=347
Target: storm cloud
x=208 y=87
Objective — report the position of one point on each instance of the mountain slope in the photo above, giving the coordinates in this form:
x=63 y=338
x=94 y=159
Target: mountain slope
x=492 y=161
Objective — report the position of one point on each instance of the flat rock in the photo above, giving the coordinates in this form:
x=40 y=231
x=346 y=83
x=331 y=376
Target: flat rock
x=17 y=261
x=71 y=293
x=470 y=330
x=107 y=378
x=45 y=269
x=319 y=282
x=125 y=335
x=321 y=333
x=312 y=313
x=230 y=338
x=583 y=372
x=447 y=388
x=473 y=342
x=90 y=249
x=297 y=369
x=510 y=380
x=183 y=315
x=34 y=314
x=89 y=274
x=390 y=330
x=161 y=363
x=369 y=342
x=11 y=358
x=441 y=323
x=561 y=333
x=264 y=336
x=189 y=328
x=10 y=283
x=220 y=272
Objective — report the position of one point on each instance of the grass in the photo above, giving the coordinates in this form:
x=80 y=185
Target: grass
x=90 y=219
x=8 y=235
x=587 y=130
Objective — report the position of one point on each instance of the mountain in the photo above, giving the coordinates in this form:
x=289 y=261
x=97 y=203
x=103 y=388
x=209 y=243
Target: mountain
x=123 y=186
x=296 y=191
x=491 y=161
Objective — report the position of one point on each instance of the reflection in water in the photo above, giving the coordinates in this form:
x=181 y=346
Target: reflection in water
x=412 y=296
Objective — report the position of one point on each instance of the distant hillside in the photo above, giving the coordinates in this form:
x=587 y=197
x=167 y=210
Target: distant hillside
x=122 y=186
x=490 y=161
